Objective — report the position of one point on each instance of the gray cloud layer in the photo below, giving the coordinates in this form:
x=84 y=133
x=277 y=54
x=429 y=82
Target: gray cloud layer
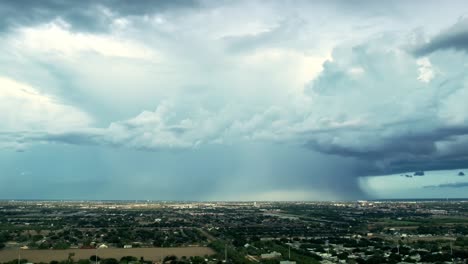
x=84 y=15
x=455 y=37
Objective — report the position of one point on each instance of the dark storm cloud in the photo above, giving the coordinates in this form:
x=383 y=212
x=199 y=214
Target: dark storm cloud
x=409 y=162
x=74 y=138
x=86 y=15
x=389 y=139
x=390 y=147
x=449 y=185
x=24 y=138
x=405 y=152
x=85 y=137
x=455 y=37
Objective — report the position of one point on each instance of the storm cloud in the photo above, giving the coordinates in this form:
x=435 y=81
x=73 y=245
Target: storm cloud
x=84 y=15
x=455 y=37
x=299 y=101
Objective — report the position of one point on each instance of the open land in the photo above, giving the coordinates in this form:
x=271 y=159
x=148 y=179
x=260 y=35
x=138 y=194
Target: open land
x=154 y=254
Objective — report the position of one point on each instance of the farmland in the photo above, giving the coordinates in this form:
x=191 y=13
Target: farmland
x=153 y=254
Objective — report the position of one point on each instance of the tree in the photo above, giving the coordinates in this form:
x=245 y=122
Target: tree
x=110 y=261
x=394 y=258
x=197 y=260
x=61 y=245
x=36 y=238
x=343 y=255
x=410 y=260
x=127 y=259
x=45 y=245
x=169 y=258
x=94 y=258
x=376 y=260
x=239 y=242
x=70 y=257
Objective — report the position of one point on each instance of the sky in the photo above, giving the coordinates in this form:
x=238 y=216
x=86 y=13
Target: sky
x=233 y=100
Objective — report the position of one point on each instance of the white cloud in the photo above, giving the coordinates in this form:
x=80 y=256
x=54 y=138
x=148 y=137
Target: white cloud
x=294 y=66
x=426 y=73
x=56 y=38
x=356 y=71
x=23 y=108
x=151 y=130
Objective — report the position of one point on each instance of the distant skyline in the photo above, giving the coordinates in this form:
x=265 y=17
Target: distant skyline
x=233 y=100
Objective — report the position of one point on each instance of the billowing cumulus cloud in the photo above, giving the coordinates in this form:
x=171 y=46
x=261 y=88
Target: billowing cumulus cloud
x=405 y=122
x=300 y=101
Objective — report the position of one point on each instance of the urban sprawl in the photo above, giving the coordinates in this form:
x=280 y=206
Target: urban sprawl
x=138 y=232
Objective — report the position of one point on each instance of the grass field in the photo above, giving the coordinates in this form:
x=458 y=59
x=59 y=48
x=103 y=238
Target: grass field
x=147 y=253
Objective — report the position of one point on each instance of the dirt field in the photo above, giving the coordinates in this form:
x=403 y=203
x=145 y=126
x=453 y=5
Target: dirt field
x=147 y=253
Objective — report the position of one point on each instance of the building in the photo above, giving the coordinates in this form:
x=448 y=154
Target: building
x=271 y=255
